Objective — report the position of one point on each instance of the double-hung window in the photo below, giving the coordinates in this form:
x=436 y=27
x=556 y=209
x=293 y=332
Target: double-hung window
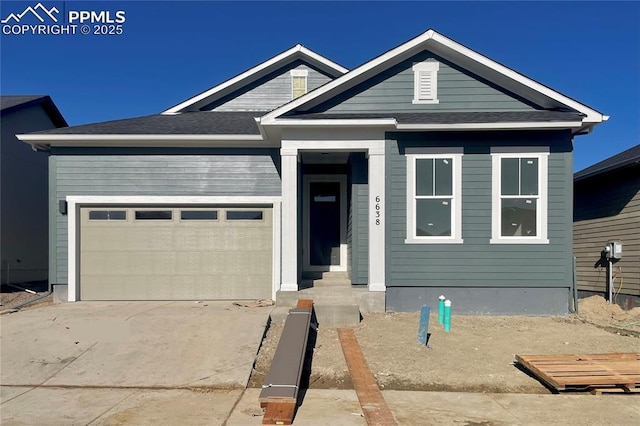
x=519 y=205
x=434 y=198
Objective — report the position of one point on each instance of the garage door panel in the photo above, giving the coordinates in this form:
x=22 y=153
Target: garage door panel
x=176 y=259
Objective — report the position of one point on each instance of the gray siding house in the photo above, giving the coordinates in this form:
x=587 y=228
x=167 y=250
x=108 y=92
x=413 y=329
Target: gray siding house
x=428 y=170
x=607 y=208
x=24 y=218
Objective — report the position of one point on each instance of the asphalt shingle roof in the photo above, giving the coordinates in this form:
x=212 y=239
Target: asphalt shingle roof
x=188 y=123
x=453 y=117
x=626 y=158
x=10 y=101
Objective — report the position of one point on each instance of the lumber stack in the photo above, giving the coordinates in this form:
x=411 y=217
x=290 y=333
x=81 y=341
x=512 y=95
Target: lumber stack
x=279 y=393
x=599 y=373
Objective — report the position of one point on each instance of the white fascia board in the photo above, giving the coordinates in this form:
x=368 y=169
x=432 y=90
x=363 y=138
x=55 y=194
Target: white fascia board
x=385 y=122
x=493 y=126
x=322 y=60
x=287 y=54
x=592 y=116
x=245 y=141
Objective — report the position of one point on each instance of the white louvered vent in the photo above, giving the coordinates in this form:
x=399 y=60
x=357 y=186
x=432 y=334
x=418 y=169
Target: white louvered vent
x=425 y=82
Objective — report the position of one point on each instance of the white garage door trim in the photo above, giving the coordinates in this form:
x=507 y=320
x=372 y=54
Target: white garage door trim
x=75 y=202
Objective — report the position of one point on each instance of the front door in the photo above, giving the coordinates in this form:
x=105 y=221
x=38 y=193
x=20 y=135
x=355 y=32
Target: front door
x=325 y=223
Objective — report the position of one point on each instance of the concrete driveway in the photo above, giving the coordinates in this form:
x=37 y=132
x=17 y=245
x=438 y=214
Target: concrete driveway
x=100 y=354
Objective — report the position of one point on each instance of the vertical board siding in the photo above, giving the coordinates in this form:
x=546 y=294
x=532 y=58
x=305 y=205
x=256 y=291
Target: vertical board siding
x=607 y=208
x=211 y=174
x=393 y=90
x=476 y=262
x=272 y=91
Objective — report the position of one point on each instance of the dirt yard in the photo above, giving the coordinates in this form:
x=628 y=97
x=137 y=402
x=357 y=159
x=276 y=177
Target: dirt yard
x=476 y=356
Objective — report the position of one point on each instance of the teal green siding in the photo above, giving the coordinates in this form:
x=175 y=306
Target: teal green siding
x=476 y=263
x=271 y=91
x=392 y=91
x=205 y=172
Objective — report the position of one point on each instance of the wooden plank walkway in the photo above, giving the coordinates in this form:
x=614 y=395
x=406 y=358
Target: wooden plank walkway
x=279 y=394
x=374 y=407
x=600 y=372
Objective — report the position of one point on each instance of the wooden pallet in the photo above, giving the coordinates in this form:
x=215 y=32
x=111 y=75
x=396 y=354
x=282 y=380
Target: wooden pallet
x=590 y=371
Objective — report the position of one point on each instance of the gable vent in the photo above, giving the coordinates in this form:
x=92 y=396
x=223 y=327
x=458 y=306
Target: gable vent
x=425 y=82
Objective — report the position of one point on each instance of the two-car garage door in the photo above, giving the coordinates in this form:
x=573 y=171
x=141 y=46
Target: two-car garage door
x=175 y=252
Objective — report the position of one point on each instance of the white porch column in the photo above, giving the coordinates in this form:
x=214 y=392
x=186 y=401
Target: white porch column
x=376 y=219
x=289 y=170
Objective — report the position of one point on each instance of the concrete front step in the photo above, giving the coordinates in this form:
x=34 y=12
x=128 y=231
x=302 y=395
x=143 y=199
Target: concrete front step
x=329 y=315
x=327 y=282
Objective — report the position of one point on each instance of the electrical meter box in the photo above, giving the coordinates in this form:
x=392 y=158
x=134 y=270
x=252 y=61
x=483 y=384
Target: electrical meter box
x=616 y=249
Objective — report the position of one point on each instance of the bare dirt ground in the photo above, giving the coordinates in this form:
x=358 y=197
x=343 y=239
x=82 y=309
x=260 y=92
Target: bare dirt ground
x=476 y=356
x=11 y=297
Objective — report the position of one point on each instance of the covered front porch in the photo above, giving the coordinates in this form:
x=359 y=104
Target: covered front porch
x=333 y=222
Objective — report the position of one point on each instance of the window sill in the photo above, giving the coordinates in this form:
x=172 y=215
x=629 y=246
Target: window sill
x=418 y=101
x=434 y=240
x=518 y=241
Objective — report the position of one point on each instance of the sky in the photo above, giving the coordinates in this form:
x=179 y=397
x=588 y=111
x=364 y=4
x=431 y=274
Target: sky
x=169 y=51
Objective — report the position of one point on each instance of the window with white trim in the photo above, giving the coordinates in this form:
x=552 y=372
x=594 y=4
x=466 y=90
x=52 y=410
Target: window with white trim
x=425 y=82
x=434 y=198
x=519 y=205
x=298 y=83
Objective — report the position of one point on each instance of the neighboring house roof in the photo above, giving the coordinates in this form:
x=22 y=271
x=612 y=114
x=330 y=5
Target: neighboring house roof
x=297 y=52
x=446 y=48
x=624 y=159
x=188 y=123
x=12 y=103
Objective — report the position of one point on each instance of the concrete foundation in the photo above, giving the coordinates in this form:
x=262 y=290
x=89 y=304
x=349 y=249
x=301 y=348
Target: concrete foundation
x=60 y=293
x=482 y=301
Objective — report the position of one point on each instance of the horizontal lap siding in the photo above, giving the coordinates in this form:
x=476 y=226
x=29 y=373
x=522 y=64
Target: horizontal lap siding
x=393 y=90
x=607 y=208
x=214 y=174
x=360 y=219
x=476 y=263
x=272 y=92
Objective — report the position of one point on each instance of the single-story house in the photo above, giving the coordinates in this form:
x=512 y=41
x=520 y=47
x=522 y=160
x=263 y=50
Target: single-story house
x=607 y=208
x=430 y=169
x=24 y=247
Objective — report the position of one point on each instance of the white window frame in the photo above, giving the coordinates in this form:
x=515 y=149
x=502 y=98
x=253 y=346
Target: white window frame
x=300 y=73
x=542 y=209
x=456 y=201
x=425 y=67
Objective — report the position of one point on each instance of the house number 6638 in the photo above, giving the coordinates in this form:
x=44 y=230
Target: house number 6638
x=378 y=213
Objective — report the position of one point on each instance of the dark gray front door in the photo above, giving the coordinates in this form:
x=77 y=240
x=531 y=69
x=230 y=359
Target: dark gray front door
x=324 y=223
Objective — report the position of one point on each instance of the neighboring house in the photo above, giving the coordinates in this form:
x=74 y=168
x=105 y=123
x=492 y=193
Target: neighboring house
x=607 y=208
x=24 y=191
x=428 y=170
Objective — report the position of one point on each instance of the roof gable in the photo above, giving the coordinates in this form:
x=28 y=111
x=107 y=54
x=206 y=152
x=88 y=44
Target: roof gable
x=236 y=84
x=473 y=62
x=392 y=90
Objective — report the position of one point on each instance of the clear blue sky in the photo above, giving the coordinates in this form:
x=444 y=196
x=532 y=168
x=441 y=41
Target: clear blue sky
x=172 y=50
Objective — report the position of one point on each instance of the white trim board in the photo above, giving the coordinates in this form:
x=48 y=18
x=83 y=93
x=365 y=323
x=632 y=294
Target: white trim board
x=288 y=56
x=75 y=202
x=444 y=47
